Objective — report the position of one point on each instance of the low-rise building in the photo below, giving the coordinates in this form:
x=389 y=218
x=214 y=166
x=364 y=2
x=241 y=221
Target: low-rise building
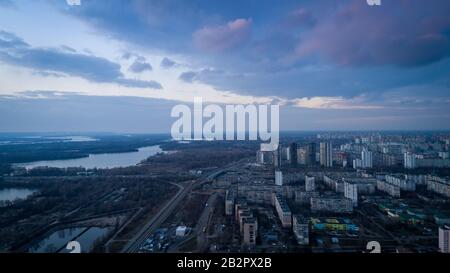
x=304 y=197
x=262 y=193
x=248 y=224
x=390 y=189
x=283 y=211
x=250 y=231
x=333 y=224
x=229 y=202
x=351 y=192
x=354 y=187
x=310 y=183
x=181 y=231
x=401 y=181
x=300 y=227
x=444 y=239
x=278 y=178
x=439 y=185
x=331 y=204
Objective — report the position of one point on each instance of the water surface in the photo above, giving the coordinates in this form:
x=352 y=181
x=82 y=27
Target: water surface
x=58 y=240
x=99 y=161
x=13 y=194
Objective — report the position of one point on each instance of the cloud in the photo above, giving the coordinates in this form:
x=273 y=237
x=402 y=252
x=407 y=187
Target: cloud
x=41 y=111
x=188 y=76
x=358 y=34
x=140 y=65
x=300 y=18
x=44 y=94
x=11 y=41
x=167 y=63
x=204 y=75
x=68 y=49
x=333 y=103
x=13 y=50
x=49 y=74
x=223 y=37
x=294 y=49
x=139 y=83
x=127 y=55
x=6 y=3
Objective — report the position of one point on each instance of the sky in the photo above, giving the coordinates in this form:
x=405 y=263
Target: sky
x=121 y=65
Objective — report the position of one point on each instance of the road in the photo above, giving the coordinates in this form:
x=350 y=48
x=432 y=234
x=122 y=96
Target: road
x=201 y=228
x=137 y=241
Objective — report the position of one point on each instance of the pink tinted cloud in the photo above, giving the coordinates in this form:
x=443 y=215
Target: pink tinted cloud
x=397 y=33
x=223 y=37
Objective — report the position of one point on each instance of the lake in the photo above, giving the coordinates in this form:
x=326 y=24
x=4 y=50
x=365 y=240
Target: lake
x=13 y=194
x=99 y=161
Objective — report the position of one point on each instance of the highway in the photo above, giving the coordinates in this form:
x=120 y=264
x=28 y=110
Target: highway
x=201 y=229
x=137 y=241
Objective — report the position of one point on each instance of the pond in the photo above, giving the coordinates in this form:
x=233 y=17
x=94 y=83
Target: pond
x=58 y=240
x=13 y=194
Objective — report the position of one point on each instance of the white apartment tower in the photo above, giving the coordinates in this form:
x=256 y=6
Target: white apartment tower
x=310 y=183
x=444 y=239
x=367 y=159
x=278 y=178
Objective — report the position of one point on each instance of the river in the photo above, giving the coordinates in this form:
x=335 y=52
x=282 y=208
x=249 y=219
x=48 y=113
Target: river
x=99 y=161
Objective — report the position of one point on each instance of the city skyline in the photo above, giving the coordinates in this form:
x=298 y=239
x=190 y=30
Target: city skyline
x=121 y=66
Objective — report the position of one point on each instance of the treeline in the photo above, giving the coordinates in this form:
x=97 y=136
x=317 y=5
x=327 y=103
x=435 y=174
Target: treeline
x=442 y=172
x=28 y=152
x=67 y=199
x=205 y=154
x=5 y=168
